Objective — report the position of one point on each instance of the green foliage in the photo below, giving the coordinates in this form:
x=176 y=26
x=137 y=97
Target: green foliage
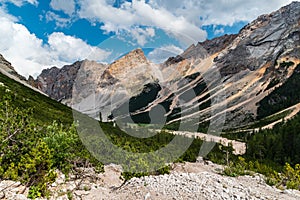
x=62 y=144
x=270 y=151
x=280 y=144
x=286 y=64
x=292 y=176
x=289 y=177
x=273 y=83
x=222 y=155
x=269 y=120
x=44 y=110
x=129 y=175
x=23 y=155
x=243 y=167
x=237 y=169
x=30 y=153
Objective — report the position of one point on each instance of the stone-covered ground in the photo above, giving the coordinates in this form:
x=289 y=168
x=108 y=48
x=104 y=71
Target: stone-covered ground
x=186 y=181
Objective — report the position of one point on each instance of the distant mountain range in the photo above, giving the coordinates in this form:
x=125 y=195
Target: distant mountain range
x=251 y=77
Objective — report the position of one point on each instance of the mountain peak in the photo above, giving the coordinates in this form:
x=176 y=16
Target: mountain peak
x=134 y=55
x=131 y=60
x=294 y=5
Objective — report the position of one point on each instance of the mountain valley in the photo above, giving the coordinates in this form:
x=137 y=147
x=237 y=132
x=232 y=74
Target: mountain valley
x=229 y=107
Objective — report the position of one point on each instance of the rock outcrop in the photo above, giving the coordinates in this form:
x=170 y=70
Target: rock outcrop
x=263 y=41
x=58 y=83
x=246 y=63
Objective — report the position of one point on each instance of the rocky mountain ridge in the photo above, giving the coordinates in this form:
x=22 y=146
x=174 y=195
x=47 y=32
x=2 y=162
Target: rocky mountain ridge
x=246 y=64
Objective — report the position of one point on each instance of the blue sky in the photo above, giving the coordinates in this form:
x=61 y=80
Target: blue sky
x=36 y=34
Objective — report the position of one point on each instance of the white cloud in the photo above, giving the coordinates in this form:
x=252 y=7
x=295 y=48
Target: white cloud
x=4 y=14
x=21 y=48
x=141 y=35
x=219 y=31
x=159 y=55
x=67 y=6
x=20 y=2
x=139 y=13
x=182 y=18
x=67 y=48
x=224 y=12
x=59 y=21
x=29 y=55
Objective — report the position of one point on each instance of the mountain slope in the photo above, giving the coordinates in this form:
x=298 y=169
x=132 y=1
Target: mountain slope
x=241 y=70
x=262 y=57
x=45 y=110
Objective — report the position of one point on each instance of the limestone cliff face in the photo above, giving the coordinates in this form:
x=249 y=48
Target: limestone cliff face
x=58 y=83
x=263 y=41
x=246 y=63
x=112 y=85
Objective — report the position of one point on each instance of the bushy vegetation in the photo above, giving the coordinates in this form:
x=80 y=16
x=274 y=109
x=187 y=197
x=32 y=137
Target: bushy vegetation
x=38 y=136
x=31 y=149
x=33 y=146
x=132 y=149
x=281 y=177
x=274 y=153
x=44 y=110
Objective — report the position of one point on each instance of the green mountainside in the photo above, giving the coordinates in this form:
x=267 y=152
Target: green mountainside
x=44 y=109
x=38 y=136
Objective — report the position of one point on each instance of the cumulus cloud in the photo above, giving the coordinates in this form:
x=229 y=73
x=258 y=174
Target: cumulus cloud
x=223 y=12
x=159 y=55
x=4 y=14
x=141 y=35
x=29 y=55
x=67 y=7
x=60 y=22
x=20 y=2
x=182 y=18
x=136 y=14
x=219 y=31
x=67 y=48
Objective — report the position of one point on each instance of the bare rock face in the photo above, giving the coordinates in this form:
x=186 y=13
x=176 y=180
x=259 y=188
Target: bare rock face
x=194 y=52
x=58 y=83
x=8 y=70
x=218 y=44
x=112 y=85
x=264 y=40
x=4 y=62
x=246 y=63
x=240 y=67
